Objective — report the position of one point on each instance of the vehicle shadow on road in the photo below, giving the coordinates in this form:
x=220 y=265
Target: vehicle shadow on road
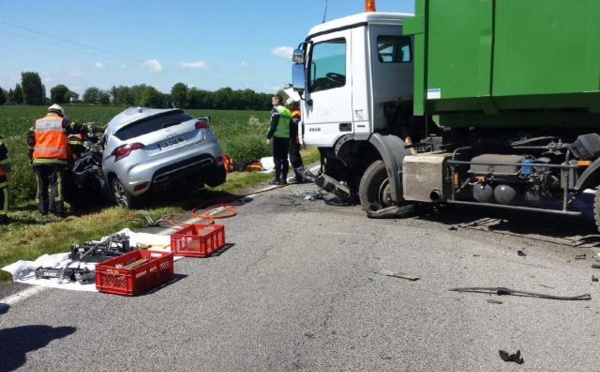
x=197 y=200
x=574 y=230
x=16 y=342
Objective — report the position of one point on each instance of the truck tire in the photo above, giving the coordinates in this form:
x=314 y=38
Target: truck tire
x=375 y=196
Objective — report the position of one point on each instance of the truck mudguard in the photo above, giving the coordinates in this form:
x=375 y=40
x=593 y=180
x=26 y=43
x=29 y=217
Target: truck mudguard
x=392 y=151
x=590 y=178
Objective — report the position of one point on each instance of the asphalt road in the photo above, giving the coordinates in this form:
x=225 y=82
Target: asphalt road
x=301 y=287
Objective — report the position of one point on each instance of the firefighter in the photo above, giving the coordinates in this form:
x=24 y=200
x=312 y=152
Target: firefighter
x=49 y=155
x=279 y=132
x=5 y=175
x=294 y=152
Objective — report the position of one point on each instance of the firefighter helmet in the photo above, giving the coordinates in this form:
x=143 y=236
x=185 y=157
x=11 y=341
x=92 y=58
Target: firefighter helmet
x=57 y=109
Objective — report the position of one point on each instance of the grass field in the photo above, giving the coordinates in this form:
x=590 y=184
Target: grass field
x=30 y=235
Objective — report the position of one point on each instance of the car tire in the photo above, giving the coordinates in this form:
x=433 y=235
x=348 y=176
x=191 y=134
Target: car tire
x=216 y=177
x=121 y=196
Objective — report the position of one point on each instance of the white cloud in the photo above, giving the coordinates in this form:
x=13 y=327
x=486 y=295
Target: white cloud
x=283 y=52
x=99 y=65
x=153 y=65
x=244 y=64
x=195 y=64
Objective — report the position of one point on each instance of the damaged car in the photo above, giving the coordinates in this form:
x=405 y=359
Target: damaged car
x=159 y=150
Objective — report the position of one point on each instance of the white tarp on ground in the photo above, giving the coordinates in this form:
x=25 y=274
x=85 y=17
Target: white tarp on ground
x=24 y=271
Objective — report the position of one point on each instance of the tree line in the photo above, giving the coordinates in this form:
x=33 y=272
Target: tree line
x=31 y=91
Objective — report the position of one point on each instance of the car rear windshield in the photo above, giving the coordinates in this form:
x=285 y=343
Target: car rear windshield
x=152 y=124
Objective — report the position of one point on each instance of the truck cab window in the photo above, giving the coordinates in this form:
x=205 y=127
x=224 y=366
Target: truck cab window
x=328 y=65
x=394 y=49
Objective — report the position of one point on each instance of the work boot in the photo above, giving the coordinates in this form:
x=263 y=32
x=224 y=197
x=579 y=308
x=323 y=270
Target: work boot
x=276 y=181
x=284 y=179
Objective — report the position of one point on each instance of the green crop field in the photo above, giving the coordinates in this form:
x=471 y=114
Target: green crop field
x=240 y=133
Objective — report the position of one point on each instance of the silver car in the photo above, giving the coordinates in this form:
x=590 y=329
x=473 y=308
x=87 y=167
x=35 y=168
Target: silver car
x=159 y=149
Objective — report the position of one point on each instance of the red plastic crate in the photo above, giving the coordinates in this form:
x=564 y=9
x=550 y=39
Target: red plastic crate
x=113 y=275
x=198 y=240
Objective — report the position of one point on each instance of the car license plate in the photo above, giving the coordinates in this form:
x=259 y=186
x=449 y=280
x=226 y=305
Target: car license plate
x=171 y=142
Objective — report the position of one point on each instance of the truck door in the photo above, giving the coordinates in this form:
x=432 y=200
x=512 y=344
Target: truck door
x=328 y=113
x=391 y=71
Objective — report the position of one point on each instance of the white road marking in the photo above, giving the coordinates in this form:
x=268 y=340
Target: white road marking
x=22 y=295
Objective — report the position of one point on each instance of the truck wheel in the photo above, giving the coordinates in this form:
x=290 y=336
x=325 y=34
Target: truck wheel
x=123 y=198
x=375 y=195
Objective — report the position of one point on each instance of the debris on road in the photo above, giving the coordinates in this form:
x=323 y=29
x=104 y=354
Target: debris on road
x=594 y=278
x=496 y=302
x=516 y=357
x=315 y=196
x=580 y=256
x=400 y=275
x=501 y=291
x=521 y=253
x=595 y=266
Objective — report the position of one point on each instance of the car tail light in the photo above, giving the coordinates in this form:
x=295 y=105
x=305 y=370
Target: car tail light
x=201 y=124
x=123 y=151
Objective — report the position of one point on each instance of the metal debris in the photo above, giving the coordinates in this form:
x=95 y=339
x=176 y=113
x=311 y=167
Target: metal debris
x=396 y=274
x=502 y=291
x=516 y=357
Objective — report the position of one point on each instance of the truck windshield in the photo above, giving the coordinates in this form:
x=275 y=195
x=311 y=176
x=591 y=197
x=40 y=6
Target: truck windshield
x=328 y=65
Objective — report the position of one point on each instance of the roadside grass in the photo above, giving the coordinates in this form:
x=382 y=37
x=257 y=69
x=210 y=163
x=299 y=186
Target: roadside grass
x=31 y=235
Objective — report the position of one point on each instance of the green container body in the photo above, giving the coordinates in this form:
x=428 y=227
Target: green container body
x=507 y=63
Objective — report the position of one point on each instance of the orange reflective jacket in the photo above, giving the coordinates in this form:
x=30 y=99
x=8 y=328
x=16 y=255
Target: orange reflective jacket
x=50 y=138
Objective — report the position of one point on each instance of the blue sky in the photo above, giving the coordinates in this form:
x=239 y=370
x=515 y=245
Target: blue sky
x=205 y=44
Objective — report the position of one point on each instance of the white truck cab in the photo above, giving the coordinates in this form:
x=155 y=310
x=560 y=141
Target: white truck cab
x=347 y=69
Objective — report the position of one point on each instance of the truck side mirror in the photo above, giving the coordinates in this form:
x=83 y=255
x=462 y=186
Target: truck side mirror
x=298 y=80
x=298 y=56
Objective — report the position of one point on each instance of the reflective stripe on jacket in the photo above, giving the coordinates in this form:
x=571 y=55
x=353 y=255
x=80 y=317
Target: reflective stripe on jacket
x=50 y=139
x=283 y=124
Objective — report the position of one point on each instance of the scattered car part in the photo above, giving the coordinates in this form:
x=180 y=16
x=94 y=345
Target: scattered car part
x=502 y=291
x=98 y=251
x=516 y=357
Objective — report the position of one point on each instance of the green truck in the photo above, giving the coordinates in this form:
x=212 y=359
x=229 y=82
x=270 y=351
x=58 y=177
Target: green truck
x=490 y=103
